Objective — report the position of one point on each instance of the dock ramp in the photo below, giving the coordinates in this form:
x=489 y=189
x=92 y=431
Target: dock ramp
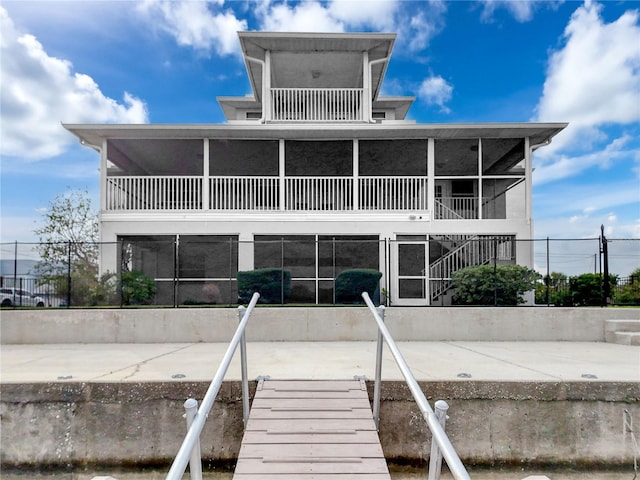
x=311 y=430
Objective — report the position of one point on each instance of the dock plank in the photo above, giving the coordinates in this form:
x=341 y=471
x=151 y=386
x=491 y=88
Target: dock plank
x=311 y=430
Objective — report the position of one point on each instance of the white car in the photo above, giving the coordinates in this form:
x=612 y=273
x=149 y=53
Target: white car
x=16 y=297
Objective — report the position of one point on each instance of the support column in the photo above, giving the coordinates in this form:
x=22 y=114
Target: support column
x=103 y=176
x=266 y=87
x=206 y=184
x=366 y=88
x=528 y=184
x=281 y=174
x=431 y=177
x=356 y=180
x=480 y=178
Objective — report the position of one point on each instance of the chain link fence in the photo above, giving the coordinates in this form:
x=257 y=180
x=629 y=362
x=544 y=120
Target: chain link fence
x=183 y=271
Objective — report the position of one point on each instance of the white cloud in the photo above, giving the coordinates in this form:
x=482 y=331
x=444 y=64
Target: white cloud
x=193 y=24
x=415 y=26
x=39 y=92
x=522 y=11
x=374 y=13
x=304 y=17
x=594 y=79
x=435 y=90
x=560 y=166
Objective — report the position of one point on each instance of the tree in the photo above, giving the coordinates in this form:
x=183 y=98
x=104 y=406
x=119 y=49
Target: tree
x=554 y=290
x=68 y=245
x=629 y=292
x=493 y=284
x=587 y=289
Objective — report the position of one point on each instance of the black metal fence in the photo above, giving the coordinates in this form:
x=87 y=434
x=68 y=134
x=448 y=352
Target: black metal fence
x=187 y=271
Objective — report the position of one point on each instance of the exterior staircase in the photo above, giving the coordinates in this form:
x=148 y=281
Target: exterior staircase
x=471 y=252
x=623 y=332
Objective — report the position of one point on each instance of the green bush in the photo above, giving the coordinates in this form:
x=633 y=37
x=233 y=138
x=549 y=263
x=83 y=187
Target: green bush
x=586 y=289
x=629 y=294
x=273 y=285
x=499 y=285
x=137 y=288
x=351 y=283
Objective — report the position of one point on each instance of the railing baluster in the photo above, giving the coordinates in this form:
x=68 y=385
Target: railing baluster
x=438 y=434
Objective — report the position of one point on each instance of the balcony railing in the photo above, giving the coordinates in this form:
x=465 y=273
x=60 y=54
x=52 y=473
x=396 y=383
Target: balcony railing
x=226 y=193
x=154 y=193
x=393 y=193
x=319 y=193
x=244 y=193
x=455 y=208
x=316 y=104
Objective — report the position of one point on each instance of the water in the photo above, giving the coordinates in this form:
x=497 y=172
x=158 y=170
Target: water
x=397 y=473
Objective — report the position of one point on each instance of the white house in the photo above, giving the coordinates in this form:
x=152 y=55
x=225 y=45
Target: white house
x=315 y=172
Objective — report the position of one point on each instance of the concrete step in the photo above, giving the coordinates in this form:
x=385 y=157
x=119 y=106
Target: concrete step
x=623 y=332
x=624 y=338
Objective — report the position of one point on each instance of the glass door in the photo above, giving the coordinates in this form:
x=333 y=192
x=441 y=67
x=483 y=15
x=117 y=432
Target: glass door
x=411 y=261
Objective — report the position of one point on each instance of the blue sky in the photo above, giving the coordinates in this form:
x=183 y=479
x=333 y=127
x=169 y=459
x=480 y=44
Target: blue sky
x=485 y=61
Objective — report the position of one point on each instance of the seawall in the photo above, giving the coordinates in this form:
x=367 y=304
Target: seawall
x=528 y=400
x=293 y=324
x=79 y=424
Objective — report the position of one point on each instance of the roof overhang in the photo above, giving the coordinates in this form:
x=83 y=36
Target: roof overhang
x=255 y=44
x=94 y=135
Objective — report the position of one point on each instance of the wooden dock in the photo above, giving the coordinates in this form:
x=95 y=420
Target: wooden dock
x=311 y=430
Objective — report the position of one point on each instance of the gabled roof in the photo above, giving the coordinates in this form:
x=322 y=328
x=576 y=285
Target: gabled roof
x=318 y=60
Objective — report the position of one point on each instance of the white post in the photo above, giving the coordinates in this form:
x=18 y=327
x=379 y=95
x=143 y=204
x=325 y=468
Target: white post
x=431 y=174
x=356 y=179
x=206 y=183
x=435 y=459
x=195 y=462
x=243 y=367
x=281 y=172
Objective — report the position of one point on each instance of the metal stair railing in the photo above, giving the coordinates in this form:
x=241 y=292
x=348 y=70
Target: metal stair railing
x=474 y=251
x=189 y=451
x=434 y=421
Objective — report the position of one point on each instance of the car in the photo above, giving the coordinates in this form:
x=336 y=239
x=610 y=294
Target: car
x=17 y=297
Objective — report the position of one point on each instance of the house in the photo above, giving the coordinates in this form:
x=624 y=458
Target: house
x=315 y=172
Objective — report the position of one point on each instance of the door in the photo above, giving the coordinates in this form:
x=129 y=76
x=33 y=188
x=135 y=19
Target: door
x=411 y=261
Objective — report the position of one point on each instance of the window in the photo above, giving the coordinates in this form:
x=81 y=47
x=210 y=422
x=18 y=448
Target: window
x=315 y=261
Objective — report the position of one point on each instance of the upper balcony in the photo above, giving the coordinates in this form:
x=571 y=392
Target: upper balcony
x=313 y=77
x=317 y=105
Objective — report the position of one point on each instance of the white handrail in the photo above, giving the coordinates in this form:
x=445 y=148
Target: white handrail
x=193 y=435
x=456 y=467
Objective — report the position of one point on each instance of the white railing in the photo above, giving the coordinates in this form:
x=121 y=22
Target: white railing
x=244 y=193
x=456 y=208
x=472 y=252
x=318 y=193
x=154 y=193
x=316 y=104
x=227 y=193
x=441 y=445
x=189 y=452
x=392 y=193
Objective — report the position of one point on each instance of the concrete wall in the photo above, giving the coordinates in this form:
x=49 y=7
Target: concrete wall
x=75 y=424
x=189 y=325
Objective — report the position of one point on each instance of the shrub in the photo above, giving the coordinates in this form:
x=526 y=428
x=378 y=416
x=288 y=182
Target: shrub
x=273 y=285
x=586 y=289
x=137 y=288
x=629 y=293
x=493 y=284
x=351 y=283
